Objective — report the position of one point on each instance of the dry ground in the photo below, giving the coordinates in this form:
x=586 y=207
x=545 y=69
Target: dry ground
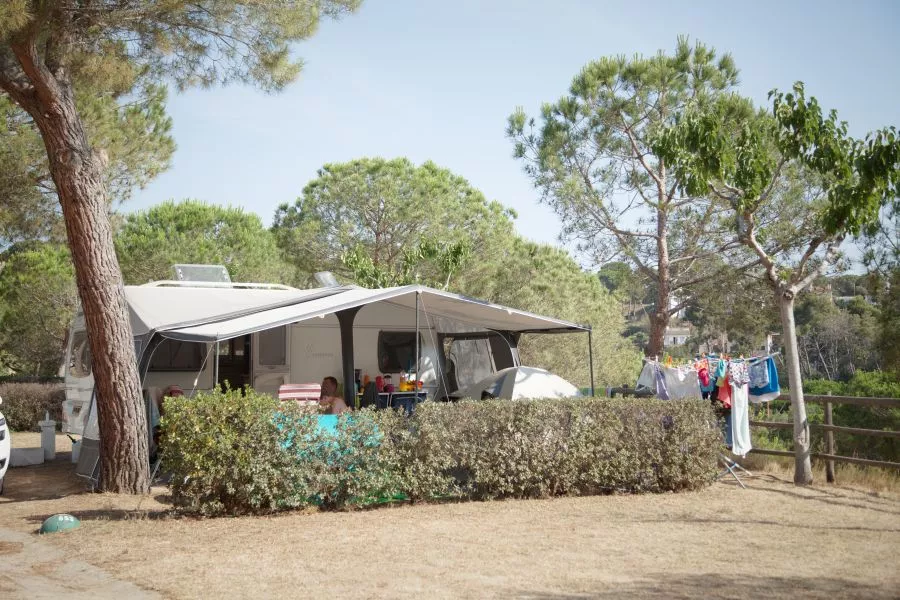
x=771 y=540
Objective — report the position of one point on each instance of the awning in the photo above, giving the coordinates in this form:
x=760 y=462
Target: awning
x=154 y=308
x=455 y=313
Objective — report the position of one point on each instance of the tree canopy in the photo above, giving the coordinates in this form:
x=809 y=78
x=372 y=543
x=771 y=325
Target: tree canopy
x=592 y=160
x=46 y=48
x=382 y=210
x=37 y=303
x=194 y=232
x=797 y=161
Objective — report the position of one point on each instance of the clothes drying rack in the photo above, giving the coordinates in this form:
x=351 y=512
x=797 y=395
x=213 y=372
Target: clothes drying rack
x=732 y=466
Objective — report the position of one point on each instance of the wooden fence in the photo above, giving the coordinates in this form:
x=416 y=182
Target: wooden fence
x=830 y=428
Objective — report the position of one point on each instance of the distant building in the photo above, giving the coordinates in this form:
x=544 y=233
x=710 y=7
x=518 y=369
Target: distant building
x=676 y=336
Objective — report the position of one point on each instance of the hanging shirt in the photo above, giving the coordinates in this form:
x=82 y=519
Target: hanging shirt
x=682 y=383
x=662 y=392
x=759 y=373
x=738 y=374
x=725 y=392
x=771 y=390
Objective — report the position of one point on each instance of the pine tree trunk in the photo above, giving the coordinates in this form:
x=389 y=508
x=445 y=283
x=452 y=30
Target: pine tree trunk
x=78 y=174
x=802 y=465
x=659 y=320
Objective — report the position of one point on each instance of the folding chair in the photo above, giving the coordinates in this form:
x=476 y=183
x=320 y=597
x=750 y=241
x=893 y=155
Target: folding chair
x=305 y=394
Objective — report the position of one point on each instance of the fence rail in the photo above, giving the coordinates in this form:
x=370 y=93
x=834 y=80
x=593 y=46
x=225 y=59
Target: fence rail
x=830 y=428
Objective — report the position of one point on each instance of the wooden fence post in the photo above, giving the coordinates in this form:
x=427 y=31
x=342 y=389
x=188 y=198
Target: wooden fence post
x=829 y=444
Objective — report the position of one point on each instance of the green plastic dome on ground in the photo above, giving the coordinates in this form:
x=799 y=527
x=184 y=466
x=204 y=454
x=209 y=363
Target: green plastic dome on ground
x=60 y=522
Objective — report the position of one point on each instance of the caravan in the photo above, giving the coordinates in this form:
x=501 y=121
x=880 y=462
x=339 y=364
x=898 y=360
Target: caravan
x=200 y=334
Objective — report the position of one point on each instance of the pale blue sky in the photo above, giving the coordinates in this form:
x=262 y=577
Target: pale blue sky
x=437 y=80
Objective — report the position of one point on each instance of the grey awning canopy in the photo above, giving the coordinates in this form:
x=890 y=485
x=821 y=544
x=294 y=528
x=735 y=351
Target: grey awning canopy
x=213 y=314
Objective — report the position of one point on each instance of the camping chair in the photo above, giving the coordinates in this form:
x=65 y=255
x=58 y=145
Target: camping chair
x=305 y=394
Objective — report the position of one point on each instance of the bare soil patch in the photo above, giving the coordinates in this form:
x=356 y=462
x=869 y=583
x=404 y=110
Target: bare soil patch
x=771 y=540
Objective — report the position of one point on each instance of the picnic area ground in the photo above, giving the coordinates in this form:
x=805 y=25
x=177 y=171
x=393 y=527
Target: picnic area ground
x=771 y=540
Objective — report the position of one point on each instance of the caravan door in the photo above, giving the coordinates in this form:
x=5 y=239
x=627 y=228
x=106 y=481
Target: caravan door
x=271 y=350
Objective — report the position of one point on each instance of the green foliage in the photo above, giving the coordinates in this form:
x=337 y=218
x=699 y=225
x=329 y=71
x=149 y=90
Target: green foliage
x=546 y=280
x=150 y=242
x=231 y=454
x=25 y=404
x=890 y=324
x=592 y=160
x=134 y=137
x=192 y=43
x=442 y=260
x=389 y=220
x=37 y=304
x=225 y=452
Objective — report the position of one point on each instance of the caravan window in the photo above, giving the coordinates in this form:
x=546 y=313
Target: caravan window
x=397 y=350
x=175 y=355
x=80 y=359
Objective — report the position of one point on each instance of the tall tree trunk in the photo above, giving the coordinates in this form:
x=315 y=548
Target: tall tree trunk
x=659 y=320
x=78 y=174
x=802 y=465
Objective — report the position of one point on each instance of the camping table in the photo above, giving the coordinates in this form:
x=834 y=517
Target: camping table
x=406 y=400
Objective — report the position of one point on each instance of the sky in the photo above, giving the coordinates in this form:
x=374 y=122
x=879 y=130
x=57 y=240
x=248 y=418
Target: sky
x=437 y=80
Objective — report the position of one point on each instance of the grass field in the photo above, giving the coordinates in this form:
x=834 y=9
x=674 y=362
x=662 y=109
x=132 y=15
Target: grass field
x=772 y=540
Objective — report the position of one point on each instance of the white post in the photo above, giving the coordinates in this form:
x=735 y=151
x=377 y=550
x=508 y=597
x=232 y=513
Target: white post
x=48 y=437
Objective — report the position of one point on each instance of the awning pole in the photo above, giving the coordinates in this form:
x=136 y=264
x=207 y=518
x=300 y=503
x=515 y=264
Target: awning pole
x=215 y=384
x=418 y=350
x=591 y=360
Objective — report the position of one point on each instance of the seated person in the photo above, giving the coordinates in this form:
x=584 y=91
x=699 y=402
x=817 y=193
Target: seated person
x=330 y=400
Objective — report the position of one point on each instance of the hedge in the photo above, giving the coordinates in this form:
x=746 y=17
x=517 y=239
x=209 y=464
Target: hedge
x=234 y=454
x=25 y=404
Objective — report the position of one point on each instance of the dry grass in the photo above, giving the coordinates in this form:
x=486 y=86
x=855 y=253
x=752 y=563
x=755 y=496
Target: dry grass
x=871 y=478
x=770 y=540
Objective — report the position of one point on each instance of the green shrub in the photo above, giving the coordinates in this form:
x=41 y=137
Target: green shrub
x=234 y=454
x=25 y=404
x=227 y=453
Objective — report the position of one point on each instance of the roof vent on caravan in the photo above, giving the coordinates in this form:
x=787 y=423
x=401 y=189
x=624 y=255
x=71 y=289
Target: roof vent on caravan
x=326 y=279
x=205 y=273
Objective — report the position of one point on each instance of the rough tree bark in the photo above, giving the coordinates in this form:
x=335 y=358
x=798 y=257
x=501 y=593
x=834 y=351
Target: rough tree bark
x=78 y=174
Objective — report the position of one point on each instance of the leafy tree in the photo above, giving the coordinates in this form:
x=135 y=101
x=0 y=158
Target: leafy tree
x=834 y=341
x=546 y=280
x=889 y=322
x=441 y=259
x=45 y=49
x=592 y=160
x=193 y=232
x=37 y=303
x=731 y=314
x=135 y=138
x=797 y=162
x=381 y=210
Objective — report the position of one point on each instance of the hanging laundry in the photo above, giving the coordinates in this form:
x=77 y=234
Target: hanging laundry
x=682 y=383
x=724 y=391
x=759 y=373
x=739 y=378
x=662 y=391
x=769 y=391
x=647 y=379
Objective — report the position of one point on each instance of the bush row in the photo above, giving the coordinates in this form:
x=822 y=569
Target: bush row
x=25 y=404
x=236 y=454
